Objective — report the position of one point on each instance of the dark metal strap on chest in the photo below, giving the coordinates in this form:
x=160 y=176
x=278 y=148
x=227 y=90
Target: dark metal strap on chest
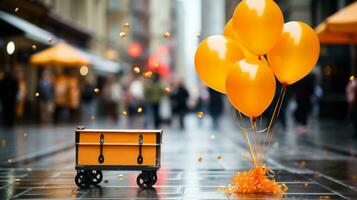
x=140 y=158
x=101 y=143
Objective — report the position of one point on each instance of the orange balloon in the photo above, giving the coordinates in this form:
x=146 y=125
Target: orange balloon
x=259 y=24
x=214 y=57
x=231 y=33
x=250 y=86
x=295 y=54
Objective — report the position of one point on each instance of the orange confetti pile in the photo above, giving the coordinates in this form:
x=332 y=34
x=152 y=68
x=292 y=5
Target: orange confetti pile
x=255 y=181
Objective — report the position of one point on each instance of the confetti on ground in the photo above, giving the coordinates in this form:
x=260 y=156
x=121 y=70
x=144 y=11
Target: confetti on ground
x=122 y=34
x=50 y=39
x=125 y=113
x=96 y=90
x=166 y=35
x=200 y=114
x=218 y=157
x=137 y=70
x=199 y=159
x=140 y=109
x=16 y=9
x=148 y=74
x=255 y=181
x=121 y=177
x=37 y=94
x=34 y=47
x=126 y=25
x=220 y=188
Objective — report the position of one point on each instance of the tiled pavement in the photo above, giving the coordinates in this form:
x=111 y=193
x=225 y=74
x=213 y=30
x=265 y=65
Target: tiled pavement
x=311 y=171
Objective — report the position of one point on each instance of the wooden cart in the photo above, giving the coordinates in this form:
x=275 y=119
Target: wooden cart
x=102 y=149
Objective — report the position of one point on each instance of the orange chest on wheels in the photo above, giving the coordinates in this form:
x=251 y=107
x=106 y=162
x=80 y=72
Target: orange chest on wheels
x=103 y=149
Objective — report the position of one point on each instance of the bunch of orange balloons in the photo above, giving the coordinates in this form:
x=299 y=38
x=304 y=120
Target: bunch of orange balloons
x=255 y=46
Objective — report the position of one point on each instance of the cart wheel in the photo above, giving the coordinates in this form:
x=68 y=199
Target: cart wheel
x=144 y=181
x=153 y=177
x=82 y=180
x=97 y=177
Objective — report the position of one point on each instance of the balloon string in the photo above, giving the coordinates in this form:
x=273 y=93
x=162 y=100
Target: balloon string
x=246 y=136
x=277 y=115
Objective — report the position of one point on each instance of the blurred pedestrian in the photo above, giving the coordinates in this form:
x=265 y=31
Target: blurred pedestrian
x=303 y=93
x=8 y=93
x=179 y=98
x=88 y=98
x=21 y=97
x=45 y=92
x=153 y=93
x=351 y=93
x=215 y=107
x=112 y=92
x=136 y=102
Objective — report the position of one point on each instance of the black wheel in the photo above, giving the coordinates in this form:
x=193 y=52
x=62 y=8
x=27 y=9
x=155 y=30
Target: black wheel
x=153 y=177
x=144 y=181
x=82 y=180
x=97 y=176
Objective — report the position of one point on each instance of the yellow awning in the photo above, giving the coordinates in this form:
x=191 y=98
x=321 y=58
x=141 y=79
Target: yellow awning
x=340 y=28
x=60 y=54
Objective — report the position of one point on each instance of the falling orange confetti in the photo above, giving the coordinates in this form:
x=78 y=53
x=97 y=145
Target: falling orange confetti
x=34 y=47
x=25 y=134
x=167 y=89
x=126 y=25
x=17 y=180
x=306 y=185
x=166 y=35
x=122 y=34
x=352 y=78
x=255 y=181
x=200 y=114
x=16 y=9
x=139 y=110
x=199 y=159
x=218 y=157
x=156 y=65
x=148 y=74
x=302 y=164
x=96 y=90
x=137 y=70
x=124 y=113
x=92 y=117
x=37 y=94
x=50 y=39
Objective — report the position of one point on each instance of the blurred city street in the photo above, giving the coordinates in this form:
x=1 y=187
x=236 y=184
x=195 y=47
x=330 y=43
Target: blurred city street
x=235 y=85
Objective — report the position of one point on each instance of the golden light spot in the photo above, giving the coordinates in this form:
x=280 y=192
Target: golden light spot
x=220 y=188
x=34 y=47
x=25 y=134
x=352 y=78
x=200 y=114
x=156 y=65
x=122 y=34
x=16 y=9
x=148 y=74
x=9 y=160
x=306 y=185
x=140 y=109
x=17 y=180
x=37 y=94
x=302 y=164
x=83 y=70
x=126 y=25
x=124 y=113
x=121 y=177
x=218 y=157
x=199 y=159
x=166 y=34
x=92 y=117
x=96 y=90
x=50 y=39
x=325 y=197
x=137 y=70
x=167 y=89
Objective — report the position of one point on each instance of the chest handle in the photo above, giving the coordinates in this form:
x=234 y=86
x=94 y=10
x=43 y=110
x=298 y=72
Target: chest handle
x=140 y=158
x=101 y=142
